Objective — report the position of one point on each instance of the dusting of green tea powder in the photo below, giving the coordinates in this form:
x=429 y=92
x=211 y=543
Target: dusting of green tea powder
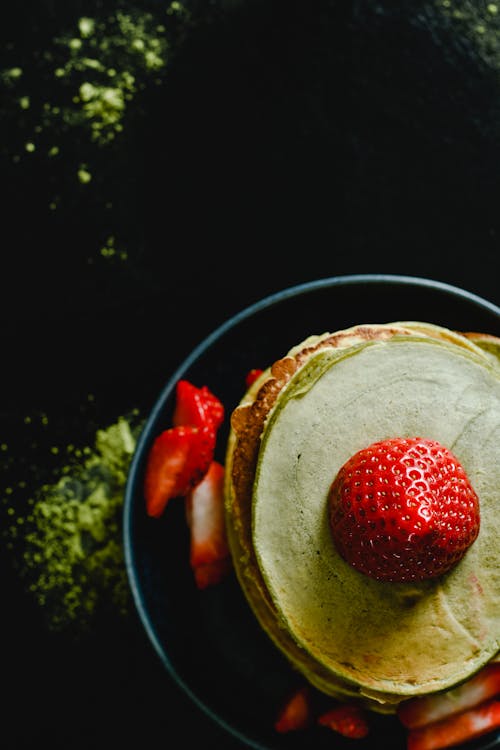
x=73 y=548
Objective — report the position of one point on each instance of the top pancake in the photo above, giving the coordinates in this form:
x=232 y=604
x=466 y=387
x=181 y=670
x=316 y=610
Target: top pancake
x=347 y=633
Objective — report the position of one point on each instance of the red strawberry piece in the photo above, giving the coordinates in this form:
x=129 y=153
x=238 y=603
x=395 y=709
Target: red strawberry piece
x=296 y=712
x=196 y=406
x=347 y=719
x=417 y=712
x=403 y=509
x=209 y=551
x=177 y=461
x=453 y=730
x=252 y=376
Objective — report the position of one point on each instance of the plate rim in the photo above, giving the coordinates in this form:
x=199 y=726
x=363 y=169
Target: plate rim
x=159 y=404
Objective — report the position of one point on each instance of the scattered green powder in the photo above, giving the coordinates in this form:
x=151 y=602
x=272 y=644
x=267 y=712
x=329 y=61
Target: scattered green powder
x=104 y=64
x=480 y=23
x=75 y=95
x=71 y=540
x=109 y=249
x=68 y=102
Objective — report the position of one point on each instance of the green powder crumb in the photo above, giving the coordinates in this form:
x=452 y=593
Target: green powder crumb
x=73 y=561
x=84 y=175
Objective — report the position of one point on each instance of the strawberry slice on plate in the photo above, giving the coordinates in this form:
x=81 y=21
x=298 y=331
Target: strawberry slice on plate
x=296 y=712
x=252 y=376
x=426 y=709
x=178 y=460
x=348 y=719
x=457 y=728
x=209 y=550
x=196 y=406
x=180 y=456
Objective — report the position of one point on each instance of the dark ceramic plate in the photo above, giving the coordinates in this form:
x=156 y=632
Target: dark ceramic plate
x=209 y=641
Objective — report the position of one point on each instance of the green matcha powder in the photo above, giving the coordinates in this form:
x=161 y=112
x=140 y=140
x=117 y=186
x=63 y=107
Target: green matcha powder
x=70 y=541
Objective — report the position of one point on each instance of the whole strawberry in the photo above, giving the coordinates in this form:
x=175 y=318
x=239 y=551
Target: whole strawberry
x=403 y=509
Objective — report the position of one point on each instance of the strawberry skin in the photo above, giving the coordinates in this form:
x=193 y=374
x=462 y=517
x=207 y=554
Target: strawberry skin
x=296 y=712
x=453 y=730
x=209 y=550
x=180 y=456
x=178 y=460
x=403 y=509
x=348 y=719
x=196 y=406
x=252 y=376
x=417 y=712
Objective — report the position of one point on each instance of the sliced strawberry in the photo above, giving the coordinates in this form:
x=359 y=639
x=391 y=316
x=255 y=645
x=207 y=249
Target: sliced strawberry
x=252 y=376
x=209 y=574
x=296 y=712
x=417 y=712
x=453 y=730
x=348 y=719
x=196 y=406
x=177 y=461
x=209 y=551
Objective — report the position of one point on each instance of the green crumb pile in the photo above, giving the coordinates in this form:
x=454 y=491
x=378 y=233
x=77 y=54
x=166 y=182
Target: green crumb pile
x=480 y=22
x=74 y=96
x=73 y=554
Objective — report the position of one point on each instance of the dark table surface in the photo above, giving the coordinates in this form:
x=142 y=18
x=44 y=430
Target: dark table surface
x=165 y=166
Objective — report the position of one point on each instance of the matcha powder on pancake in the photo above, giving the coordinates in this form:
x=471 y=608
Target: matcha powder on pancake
x=70 y=542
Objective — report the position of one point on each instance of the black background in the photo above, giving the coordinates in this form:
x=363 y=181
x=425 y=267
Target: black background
x=286 y=142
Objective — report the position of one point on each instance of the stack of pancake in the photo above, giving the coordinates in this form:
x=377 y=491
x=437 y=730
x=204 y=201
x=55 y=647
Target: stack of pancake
x=330 y=396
